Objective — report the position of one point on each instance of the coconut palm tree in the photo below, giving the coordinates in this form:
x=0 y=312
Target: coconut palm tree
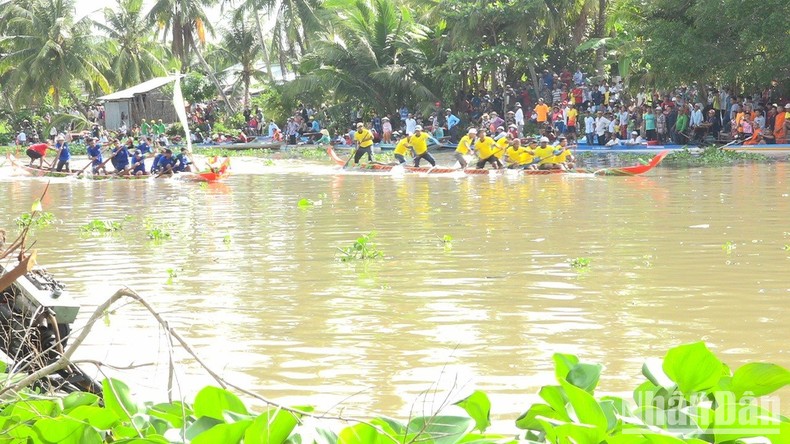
x=187 y=24
x=134 y=55
x=290 y=29
x=368 y=55
x=47 y=52
x=237 y=55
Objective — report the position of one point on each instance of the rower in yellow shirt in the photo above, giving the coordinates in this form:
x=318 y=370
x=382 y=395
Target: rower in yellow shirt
x=485 y=147
x=565 y=158
x=419 y=142
x=364 y=139
x=502 y=142
x=401 y=148
x=545 y=155
x=465 y=145
x=514 y=154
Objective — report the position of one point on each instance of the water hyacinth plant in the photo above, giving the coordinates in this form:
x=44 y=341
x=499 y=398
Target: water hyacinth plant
x=362 y=249
x=688 y=397
x=101 y=226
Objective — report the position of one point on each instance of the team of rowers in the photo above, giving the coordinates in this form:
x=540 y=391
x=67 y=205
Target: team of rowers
x=504 y=149
x=126 y=159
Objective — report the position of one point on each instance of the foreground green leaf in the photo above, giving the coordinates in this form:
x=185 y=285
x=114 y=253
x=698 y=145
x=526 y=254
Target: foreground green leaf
x=693 y=367
x=478 y=407
x=212 y=402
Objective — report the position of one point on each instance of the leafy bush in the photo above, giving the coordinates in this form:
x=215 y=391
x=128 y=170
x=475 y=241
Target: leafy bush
x=197 y=88
x=175 y=129
x=689 y=397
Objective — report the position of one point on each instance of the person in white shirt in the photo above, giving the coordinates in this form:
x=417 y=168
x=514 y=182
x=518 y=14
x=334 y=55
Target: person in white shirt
x=601 y=126
x=614 y=141
x=21 y=138
x=696 y=116
x=272 y=128
x=589 y=127
x=411 y=124
x=519 y=118
x=635 y=139
x=640 y=97
x=624 y=115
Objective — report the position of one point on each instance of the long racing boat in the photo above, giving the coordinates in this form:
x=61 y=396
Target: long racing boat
x=215 y=173
x=612 y=171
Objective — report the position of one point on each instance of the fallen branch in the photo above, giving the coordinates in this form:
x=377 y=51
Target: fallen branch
x=17 y=272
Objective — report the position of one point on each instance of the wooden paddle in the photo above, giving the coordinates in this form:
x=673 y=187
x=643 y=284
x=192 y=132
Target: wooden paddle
x=90 y=162
x=57 y=156
x=353 y=153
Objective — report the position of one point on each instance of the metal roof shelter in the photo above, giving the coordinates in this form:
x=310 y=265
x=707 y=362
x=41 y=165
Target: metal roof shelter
x=142 y=101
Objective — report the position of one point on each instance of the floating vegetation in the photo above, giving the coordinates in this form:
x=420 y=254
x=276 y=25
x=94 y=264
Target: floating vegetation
x=305 y=203
x=581 y=262
x=712 y=157
x=362 y=249
x=101 y=226
x=728 y=247
x=446 y=241
x=227 y=239
x=35 y=220
x=157 y=234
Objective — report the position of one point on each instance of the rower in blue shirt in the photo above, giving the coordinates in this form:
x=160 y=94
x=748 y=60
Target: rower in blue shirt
x=138 y=164
x=182 y=161
x=165 y=163
x=144 y=147
x=63 y=153
x=120 y=159
x=94 y=154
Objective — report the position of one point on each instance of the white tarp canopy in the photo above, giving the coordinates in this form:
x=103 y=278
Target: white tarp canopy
x=142 y=88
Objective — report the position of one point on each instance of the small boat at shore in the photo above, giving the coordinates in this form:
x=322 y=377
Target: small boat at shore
x=258 y=143
x=633 y=170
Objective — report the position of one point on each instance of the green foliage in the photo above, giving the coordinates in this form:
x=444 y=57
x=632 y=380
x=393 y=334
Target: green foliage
x=711 y=157
x=478 y=407
x=227 y=239
x=36 y=220
x=580 y=262
x=101 y=226
x=688 y=397
x=197 y=88
x=157 y=234
x=305 y=203
x=175 y=129
x=672 y=406
x=728 y=247
x=362 y=249
x=47 y=51
x=273 y=104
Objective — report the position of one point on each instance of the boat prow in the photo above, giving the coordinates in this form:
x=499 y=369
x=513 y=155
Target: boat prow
x=635 y=170
x=333 y=155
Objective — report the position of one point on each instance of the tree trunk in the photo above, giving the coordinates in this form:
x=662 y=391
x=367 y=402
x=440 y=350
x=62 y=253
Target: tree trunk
x=263 y=47
x=246 y=90
x=210 y=73
x=600 y=27
x=534 y=76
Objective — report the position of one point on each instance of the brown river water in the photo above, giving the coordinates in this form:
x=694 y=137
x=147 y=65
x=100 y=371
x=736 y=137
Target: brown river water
x=260 y=294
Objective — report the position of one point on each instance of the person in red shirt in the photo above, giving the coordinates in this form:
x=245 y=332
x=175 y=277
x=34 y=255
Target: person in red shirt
x=578 y=96
x=38 y=151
